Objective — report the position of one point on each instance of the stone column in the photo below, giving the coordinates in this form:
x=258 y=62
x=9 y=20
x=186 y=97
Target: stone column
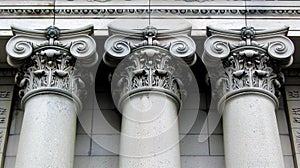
x=49 y=76
x=150 y=96
x=248 y=80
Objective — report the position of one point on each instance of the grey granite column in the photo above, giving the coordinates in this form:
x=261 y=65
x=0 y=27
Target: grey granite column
x=147 y=90
x=49 y=76
x=246 y=68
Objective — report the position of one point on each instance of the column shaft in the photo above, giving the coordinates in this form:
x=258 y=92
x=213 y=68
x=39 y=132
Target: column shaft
x=149 y=132
x=48 y=133
x=251 y=137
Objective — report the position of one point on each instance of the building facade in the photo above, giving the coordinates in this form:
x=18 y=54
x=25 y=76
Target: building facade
x=170 y=84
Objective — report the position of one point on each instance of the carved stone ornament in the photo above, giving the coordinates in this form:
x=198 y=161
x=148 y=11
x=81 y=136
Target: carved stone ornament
x=247 y=60
x=148 y=69
x=152 y=60
x=48 y=60
x=122 y=42
x=95 y=9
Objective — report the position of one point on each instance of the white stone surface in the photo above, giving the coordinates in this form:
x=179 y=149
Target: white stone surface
x=214 y=122
x=190 y=145
x=96 y=162
x=9 y=162
x=85 y=121
x=16 y=122
x=48 y=133
x=196 y=126
x=149 y=135
x=83 y=144
x=105 y=145
x=202 y=162
x=286 y=145
x=282 y=122
x=12 y=145
x=216 y=145
x=104 y=124
x=251 y=137
x=289 y=162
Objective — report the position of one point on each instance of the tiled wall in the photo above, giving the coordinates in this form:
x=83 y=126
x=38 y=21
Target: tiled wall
x=89 y=154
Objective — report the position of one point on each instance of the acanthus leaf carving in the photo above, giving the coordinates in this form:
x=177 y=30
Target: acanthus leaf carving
x=148 y=69
x=51 y=61
x=251 y=61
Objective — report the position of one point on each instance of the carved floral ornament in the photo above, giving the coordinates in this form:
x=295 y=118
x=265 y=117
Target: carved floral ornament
x=151 y=61
x=247 y=59
x=150 y=69
x=48 y=60
x=113 y=11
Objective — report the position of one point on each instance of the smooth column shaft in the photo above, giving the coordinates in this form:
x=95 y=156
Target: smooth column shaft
x=150 y=136
x=251 y=137
x=48 y=132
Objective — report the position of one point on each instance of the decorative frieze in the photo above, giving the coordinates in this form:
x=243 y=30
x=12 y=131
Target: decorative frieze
x=51 y=59
x=7 y=72
x=292 y=72
x=249 y=59
x=6 y=92
x=4 y=113
x=293 y=105
x=198 y=11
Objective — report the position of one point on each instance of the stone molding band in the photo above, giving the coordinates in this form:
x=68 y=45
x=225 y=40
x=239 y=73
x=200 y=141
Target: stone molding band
x=57 y=91
x=245 y=91
x=197 y=11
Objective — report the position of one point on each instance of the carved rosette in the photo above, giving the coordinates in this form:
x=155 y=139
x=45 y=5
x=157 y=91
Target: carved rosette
x=249 y=60
x=51 y=61
x=149 y=69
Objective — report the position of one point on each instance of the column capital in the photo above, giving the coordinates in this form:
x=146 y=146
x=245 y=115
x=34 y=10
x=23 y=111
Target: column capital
x=148 y=69
x=48 y=60
x=248 y=60
x=150 y=60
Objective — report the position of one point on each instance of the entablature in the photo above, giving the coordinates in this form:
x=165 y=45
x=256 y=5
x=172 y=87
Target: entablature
x=140 y=9
x=202 y=13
